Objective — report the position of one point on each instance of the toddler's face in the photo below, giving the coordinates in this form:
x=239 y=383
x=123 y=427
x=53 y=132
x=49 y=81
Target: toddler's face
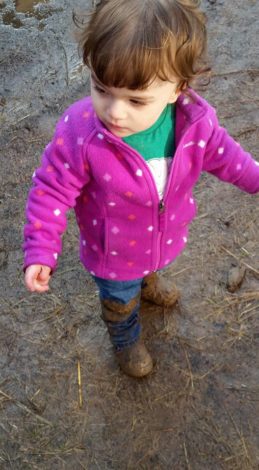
x=125 y=112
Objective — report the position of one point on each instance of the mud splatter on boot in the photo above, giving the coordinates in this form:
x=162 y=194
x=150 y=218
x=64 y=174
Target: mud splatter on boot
x=135 y=360
x=157 y=290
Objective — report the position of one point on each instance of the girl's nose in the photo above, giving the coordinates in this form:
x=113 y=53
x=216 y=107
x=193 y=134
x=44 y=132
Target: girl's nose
x=116 y=110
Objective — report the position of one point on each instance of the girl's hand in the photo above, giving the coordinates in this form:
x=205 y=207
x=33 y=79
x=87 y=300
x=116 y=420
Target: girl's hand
x=37 y=278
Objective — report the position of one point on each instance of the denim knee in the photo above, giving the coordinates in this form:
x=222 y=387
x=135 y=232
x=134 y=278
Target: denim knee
x=126 y=332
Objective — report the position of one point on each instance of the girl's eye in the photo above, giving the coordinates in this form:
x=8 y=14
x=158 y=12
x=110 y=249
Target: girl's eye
x=137 y=103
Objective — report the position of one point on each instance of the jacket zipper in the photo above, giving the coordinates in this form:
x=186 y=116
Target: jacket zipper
x=161 y=202
x=160 y=206
x=161 y=209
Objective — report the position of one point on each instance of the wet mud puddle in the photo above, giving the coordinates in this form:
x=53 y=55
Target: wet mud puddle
x=30 y=8
x=26 y=6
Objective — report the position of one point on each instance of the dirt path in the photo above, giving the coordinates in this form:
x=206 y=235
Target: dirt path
x=199 y=409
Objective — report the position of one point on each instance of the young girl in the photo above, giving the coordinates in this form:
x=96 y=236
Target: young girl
x=127 y=159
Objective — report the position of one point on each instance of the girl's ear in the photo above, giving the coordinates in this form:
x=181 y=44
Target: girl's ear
x=174 y=96
x=182 y=85
x=179 y=86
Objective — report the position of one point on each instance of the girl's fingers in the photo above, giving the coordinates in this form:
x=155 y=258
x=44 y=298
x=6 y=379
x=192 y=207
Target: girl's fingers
x=40 y=288
x=44 y=275
x=37 y=278
x=31 y=274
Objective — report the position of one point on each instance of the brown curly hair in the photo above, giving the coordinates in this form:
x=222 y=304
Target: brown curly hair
x=128 y=43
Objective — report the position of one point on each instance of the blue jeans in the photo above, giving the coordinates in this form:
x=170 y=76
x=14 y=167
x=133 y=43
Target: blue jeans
x=126 y=332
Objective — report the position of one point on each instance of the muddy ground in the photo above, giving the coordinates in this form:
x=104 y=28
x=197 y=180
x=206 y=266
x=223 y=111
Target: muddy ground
x=199 y=408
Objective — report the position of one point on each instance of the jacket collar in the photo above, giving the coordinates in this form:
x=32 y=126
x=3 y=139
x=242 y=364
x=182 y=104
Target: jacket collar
x=190 y=107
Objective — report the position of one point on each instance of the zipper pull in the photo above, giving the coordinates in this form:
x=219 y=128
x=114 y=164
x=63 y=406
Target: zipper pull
x=161 y=206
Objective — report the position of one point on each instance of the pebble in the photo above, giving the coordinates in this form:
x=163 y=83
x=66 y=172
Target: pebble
x=235 y=278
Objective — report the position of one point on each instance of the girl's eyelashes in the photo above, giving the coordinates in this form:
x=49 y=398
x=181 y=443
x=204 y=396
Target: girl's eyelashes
x=137 y=103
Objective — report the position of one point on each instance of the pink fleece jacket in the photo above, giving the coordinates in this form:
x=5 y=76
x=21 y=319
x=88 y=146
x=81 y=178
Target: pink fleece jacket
x=126 y=232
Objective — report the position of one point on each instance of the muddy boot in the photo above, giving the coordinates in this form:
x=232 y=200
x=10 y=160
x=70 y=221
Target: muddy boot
x=157 y=290
x=124 y=329
x=135 y=360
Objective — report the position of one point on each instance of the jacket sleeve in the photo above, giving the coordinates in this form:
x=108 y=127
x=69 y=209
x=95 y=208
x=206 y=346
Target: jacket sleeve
x=56 y=185
x=226 y=159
